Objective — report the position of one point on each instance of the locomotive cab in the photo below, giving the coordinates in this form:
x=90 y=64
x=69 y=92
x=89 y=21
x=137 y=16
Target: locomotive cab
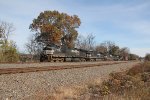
x=88 y=54
x=48 y=50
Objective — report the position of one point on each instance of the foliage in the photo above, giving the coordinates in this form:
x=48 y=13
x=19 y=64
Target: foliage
x=133 y=57
x=8 y=52
x=147 y=66
x=108 y=48
x=134 y=83
x=140 y=68
x=55 y=27
x=147 y=57
x=101 y=49
x=136 y=69
x=114 y=50
x=108 y=45
x=8 y=49
x=128 y=86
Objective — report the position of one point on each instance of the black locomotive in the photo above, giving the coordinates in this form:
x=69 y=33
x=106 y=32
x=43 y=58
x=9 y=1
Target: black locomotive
x=53 y=53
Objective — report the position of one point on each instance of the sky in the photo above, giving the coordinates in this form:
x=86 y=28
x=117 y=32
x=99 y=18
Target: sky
x=124 y=22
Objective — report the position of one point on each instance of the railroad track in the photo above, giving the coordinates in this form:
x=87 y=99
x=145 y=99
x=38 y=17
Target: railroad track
x=49 y=68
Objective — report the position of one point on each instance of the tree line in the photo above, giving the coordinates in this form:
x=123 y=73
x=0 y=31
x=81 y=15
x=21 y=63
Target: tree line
x=53 y=27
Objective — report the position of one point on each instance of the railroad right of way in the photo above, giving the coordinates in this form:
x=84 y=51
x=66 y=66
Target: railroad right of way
x=20 y=69
x=26 y=86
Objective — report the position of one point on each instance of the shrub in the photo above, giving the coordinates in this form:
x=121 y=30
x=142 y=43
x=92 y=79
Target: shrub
x=8 y=53
x=136 y=69
x=146 y=67
x=147 y=57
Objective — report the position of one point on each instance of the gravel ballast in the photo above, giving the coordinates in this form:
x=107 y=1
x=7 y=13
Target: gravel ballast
x=46 y=64
x=24 y=85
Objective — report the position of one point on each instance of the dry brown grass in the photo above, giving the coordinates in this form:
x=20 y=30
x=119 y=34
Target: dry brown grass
x=131 y=85
x=136 y=69
x=140 y=68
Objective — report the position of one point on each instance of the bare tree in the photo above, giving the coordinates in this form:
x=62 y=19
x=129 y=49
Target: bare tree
x=30 y=46
x=5 y=30
x=90 y=41
x=33 y=47
x=86 y=43
x=101 y=49
x=108 y=45
x=124 y=53
x=81 y=42
x=106 y=48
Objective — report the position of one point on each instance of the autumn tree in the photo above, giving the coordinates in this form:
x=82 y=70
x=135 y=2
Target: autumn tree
x=53 y=27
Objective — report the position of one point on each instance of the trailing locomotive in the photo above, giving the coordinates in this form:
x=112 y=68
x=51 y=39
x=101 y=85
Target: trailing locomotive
x=53 y=53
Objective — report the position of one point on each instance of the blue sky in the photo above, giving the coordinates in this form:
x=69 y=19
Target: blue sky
x=125 y=22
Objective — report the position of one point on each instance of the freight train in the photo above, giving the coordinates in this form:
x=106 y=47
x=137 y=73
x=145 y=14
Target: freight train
x=55 y=54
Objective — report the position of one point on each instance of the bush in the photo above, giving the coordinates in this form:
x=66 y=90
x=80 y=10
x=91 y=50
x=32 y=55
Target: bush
x=146 y=67
x=136 y=69
x=8 y=53
x=147 y=57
